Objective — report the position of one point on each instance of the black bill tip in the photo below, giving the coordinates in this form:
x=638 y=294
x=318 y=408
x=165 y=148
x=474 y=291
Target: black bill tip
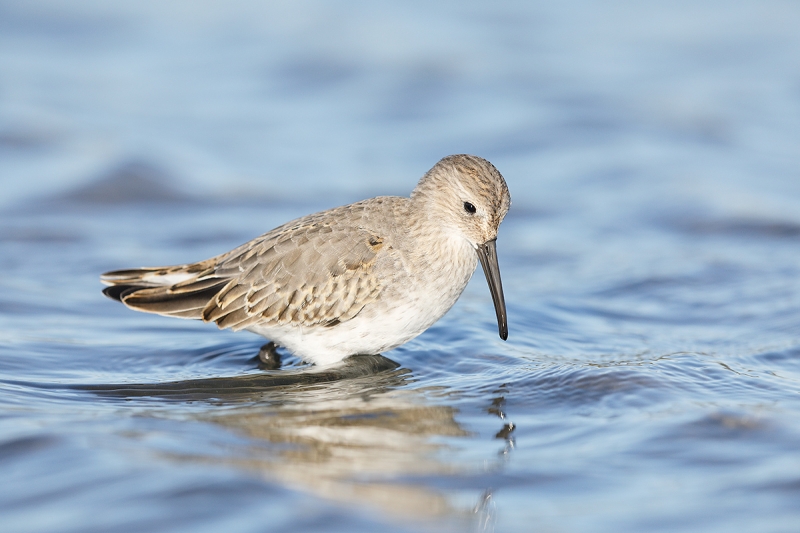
x=487 y=253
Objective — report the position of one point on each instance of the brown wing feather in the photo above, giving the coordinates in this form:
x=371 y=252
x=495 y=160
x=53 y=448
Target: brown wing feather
x=310 y=272
x=314 y=270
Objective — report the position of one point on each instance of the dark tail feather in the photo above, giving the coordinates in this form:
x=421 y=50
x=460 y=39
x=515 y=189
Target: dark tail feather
x=117 y=292
x=155 y=289
x=182 y=303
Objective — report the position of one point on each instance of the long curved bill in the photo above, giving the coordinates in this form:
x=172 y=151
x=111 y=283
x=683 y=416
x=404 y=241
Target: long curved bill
x=487 y=253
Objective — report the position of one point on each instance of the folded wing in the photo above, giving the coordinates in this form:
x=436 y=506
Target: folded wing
x=311 y=271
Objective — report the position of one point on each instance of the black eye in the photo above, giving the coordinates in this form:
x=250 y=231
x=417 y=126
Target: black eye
x=469 y=208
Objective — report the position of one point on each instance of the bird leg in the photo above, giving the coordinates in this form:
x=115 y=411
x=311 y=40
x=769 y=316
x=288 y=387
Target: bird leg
x=269 y=357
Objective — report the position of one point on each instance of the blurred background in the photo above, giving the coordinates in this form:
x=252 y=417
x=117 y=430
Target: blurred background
x=651 y=261
x=697 y=99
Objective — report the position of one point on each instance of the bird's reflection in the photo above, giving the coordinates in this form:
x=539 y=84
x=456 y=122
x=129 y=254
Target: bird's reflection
x=354 y=434
x=352 y=444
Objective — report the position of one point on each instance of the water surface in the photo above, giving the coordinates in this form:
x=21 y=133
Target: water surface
x=651 y=261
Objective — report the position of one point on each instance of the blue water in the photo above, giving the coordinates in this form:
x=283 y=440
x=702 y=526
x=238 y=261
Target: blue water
x=651 y=261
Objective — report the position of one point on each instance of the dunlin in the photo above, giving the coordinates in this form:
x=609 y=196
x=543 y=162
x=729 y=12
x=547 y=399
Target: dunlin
x=358 y=279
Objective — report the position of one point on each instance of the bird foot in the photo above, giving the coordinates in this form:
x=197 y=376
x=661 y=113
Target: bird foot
x=268 y=357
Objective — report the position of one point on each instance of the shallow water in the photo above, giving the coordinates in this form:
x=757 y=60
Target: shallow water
x=651 y=262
